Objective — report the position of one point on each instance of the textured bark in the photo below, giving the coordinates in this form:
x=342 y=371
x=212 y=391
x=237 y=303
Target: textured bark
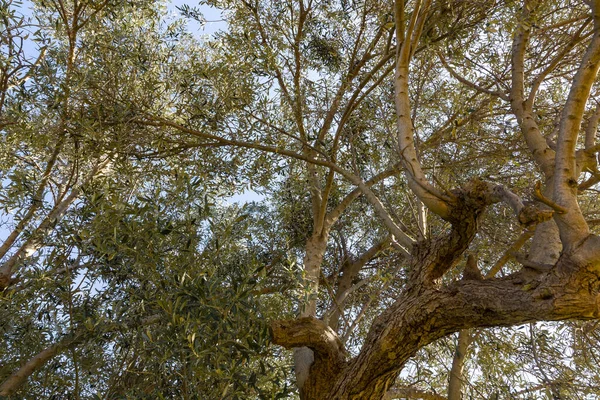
x=427 y=311
x=560 y=279
x=418 y=319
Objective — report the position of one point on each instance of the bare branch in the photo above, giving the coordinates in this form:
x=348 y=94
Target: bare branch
x=525 y=236
x=429 y=195
x=349 y=273
x=539 y=196
x=468 y=83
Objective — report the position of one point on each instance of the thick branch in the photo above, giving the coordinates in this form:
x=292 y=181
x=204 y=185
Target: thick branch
x=309 y=332
x=542 y=154
x=527 y=214
x=591 y=129
x=571 y=224
x=418 y=183
x=418 y=319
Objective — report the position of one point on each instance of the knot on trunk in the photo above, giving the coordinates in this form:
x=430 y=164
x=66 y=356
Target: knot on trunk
x=530 y=215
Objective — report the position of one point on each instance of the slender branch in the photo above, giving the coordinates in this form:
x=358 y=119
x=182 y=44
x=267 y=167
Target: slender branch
x=380 y=209
x=537 y=81
x=18 y=378
x=539 y=196
x=36 y=201
x=468 y=83
x=35 y=241
x=334 y=214
x=509 y=253
x=350 y=272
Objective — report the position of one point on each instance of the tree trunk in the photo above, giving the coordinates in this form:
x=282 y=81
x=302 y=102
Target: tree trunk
x=426 y=312
x=313 y=257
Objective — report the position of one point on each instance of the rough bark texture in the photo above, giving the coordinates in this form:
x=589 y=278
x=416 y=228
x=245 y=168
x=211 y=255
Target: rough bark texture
x=428 y=311
x=418 y=319
x=560 y=278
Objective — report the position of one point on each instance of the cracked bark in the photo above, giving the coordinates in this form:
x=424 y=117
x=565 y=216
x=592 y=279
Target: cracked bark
x=427 y=311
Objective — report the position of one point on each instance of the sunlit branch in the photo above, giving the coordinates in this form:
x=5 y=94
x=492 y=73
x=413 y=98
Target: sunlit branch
x=542 y=154
x=509 y=253
x=35 y=204
x=35 y=241
x=572 y=225
x=430 y=196
x=591 y=130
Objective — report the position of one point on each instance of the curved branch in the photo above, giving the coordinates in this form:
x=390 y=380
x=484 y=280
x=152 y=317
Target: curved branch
x=418 y=183
x=542 y=154
x=18 y=378
x=572 y=226
x=310 y=332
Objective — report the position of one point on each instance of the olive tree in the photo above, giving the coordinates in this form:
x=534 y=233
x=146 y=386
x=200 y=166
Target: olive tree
x=429 y=167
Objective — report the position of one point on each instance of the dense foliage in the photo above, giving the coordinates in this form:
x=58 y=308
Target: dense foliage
x=127 y=270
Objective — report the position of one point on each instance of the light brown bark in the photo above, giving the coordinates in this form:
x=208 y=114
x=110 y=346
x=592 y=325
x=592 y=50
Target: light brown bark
x=455 y=383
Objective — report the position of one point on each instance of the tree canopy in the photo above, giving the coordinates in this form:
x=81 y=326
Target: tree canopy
x=428 y=222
